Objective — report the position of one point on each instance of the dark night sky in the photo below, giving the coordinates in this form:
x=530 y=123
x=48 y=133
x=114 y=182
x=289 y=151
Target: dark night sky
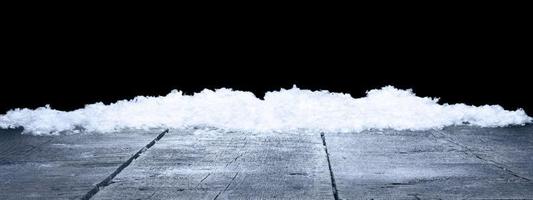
x=70 y=66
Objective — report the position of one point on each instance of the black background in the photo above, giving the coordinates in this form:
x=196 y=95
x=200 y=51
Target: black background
x=68 y=63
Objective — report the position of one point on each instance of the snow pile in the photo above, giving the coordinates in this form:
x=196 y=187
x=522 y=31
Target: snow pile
x=283 y=110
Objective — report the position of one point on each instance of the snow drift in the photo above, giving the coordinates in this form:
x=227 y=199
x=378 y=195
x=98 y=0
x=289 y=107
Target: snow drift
x=284 y=110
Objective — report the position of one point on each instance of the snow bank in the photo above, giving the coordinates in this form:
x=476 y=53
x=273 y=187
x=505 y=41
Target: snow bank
x=282 y=110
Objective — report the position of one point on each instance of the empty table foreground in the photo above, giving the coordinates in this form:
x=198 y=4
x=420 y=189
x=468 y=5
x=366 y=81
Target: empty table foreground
x=454 y=163
x=214 y=164
x=65 y=166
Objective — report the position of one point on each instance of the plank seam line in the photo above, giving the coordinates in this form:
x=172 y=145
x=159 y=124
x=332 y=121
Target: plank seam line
x=108 y=179
x=468 y=151
x=331 y=175
x=227 y=186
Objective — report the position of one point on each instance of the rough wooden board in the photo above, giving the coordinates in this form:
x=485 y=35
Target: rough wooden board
x=457 y=162
x=227 y=165
x=425 y=165
x=510 y=147
x=62 y=167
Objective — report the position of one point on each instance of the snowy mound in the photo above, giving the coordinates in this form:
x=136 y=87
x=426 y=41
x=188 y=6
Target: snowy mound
x=283 y=110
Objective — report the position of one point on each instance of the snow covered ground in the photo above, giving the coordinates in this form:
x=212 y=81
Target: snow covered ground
x=284 y=110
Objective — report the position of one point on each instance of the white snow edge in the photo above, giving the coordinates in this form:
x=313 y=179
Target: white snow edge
x=284 y=110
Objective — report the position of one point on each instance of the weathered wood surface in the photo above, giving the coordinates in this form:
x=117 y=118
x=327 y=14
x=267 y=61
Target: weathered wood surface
x=510 y=148
x=210 y=164
x=62 y=167
x=455 y=163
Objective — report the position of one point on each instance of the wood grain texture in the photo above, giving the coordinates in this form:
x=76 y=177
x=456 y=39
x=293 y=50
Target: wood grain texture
x=227 y=165
x=454 y=163
x=62 y=167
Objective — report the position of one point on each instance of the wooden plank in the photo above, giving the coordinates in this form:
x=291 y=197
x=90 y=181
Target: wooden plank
x=62 y=167
x=212 y=164
x=457 y=162
x=511 y=148
x=428 y=165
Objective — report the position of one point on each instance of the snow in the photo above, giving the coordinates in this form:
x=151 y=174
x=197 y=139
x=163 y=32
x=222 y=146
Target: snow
x=284 y=110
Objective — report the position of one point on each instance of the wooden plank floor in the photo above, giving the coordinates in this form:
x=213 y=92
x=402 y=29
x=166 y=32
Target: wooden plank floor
x=457 y=162
x=210 y=164
x=62 y=167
